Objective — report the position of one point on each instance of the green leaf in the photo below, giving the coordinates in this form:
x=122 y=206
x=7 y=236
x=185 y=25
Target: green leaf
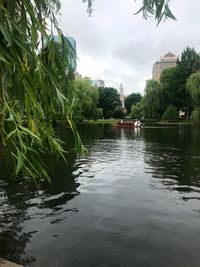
x=27 y=131
x=2 y=58
x=19 y=162
x=6 y=34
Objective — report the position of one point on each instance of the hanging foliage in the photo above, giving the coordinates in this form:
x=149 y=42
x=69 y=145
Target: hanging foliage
x=160 y=9
x=35 y=84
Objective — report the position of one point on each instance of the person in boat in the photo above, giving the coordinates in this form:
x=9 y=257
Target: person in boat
x=135 y=123
x=138 y=123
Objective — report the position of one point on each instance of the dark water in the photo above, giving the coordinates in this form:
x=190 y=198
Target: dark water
x=133 y=200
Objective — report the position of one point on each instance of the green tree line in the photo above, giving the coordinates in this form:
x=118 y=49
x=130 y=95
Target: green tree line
x=177 y=90
x=93 y=103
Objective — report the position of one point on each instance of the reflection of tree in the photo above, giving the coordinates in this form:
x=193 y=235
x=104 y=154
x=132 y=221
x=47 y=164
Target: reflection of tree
x=20 y=202
x=18 y=197
x=13 y=212
x=173 y=156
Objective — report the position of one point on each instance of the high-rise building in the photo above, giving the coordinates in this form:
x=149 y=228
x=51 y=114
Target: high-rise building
x=168 y=61
x=72 y=41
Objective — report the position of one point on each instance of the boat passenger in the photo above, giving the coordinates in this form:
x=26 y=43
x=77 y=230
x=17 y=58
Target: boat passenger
x=135 y=123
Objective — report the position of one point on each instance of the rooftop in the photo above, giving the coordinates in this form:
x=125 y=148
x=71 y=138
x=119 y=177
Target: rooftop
x=169 y=54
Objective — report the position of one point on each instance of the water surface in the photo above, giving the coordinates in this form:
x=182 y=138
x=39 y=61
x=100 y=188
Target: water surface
x=133 y=200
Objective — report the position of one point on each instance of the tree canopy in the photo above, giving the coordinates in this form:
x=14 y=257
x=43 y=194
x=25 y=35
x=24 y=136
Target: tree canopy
x=137 y=111
x=152 y=100
x=86 y=98
x=132 y=99
x=170 y=114
x=173 y=80
x=173 y=90
x=193 y=87
x=109 y=101
x=190 y=61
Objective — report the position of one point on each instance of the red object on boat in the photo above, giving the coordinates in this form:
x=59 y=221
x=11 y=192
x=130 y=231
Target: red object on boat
x=126 y=124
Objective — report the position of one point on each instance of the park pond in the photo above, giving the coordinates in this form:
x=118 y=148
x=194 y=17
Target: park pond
x=132 y=200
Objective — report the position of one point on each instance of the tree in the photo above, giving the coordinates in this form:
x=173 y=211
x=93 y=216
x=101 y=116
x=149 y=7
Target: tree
x=152 y=100
x=193 y=87
x=173 y=81
x=137 y=111
x=173 y=90
x=32 y=85
x=86 y=100
x=170 y=114
x=190 y=61
x=109 y=101
x=132 y=99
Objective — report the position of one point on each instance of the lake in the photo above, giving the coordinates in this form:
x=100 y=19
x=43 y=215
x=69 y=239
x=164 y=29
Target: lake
x=132 y=200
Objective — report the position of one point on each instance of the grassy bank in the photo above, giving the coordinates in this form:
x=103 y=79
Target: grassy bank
x=174 y=122
x=106 y=121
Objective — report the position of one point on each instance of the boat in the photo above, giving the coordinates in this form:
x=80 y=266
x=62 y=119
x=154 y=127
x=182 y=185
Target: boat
x=128 y=124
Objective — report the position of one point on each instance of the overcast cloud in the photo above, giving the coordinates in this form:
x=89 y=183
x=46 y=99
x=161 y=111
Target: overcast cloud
x=118 y=47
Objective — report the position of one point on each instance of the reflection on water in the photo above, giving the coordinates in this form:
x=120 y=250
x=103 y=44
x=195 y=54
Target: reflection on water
x=133 y=200
x=173 y=157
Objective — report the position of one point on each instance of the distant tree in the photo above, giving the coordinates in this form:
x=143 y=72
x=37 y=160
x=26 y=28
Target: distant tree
x=86 y=100
x=109 y=101
x=132 y=99
x=136 y=111
x=195 y=116
x=152 y=100
x=173 y=90
x=193 y=87
x=170 y=114
x=190 y=62
x=119 y=113
x=173 y=81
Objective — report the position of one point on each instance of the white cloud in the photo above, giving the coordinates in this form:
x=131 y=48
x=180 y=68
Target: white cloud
x=120 y=47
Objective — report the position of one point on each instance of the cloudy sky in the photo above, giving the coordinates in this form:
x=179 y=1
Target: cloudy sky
x=118 y=47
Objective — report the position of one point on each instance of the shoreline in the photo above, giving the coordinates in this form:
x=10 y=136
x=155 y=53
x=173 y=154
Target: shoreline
x=112 y=121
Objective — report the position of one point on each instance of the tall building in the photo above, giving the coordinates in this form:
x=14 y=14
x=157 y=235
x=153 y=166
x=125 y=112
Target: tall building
x=72 y=41
x=122 y=95
x=168 y=61
x=98 y=83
